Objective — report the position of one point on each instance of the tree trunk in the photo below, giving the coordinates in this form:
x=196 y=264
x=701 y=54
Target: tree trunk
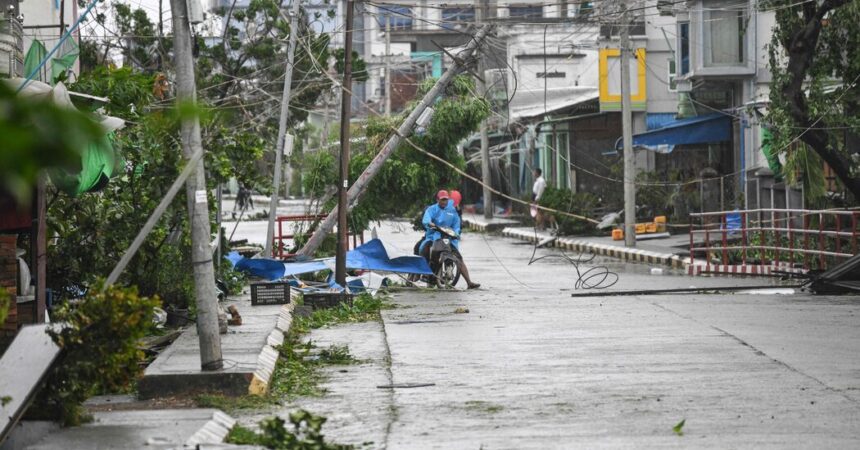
x=801 y=49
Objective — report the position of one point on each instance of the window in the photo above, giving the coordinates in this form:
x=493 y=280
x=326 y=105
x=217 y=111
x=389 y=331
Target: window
x=525 y=11
x=725 y=37
x=684 y=46
x=455 y=18
x=400 y=17
x=671 y=75
x=585 y=9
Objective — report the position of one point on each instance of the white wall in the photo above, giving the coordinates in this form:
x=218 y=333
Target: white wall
x=47 y=12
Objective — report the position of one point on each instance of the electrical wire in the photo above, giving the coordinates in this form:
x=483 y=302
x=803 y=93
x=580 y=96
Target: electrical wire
x=595 y=277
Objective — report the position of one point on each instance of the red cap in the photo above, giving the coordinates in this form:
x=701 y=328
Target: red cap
x=442 y=194
x=456 y=197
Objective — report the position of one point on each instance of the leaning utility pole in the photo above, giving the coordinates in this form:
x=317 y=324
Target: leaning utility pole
x=282 y=130
x=195 y=191
x=388 y=65
x=345 y=113
x=404 y=131
x=627 y=134
x=483 y=10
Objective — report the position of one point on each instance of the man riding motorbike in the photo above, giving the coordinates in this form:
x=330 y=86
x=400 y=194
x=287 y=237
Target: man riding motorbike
x=443 y=214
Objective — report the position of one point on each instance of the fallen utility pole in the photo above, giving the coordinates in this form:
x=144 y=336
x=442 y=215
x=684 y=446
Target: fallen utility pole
x=190 y=167
x=702 y=290
x=345 y=115
x=195 y=191
x=405 y=130
x=282 y=130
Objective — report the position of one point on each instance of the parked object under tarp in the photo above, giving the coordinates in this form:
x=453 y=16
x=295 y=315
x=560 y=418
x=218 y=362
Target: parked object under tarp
x=373 y=255
x=842 y=279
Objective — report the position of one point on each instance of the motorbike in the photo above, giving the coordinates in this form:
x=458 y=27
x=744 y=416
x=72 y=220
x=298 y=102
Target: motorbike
x=444 y=261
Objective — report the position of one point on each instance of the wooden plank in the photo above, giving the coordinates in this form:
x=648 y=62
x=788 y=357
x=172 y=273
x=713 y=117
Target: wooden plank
x=22 y=370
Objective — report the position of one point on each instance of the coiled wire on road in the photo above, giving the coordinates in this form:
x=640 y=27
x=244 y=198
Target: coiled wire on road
x=595 y=277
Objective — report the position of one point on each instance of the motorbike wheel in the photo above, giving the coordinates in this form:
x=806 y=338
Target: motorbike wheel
x=448 y=272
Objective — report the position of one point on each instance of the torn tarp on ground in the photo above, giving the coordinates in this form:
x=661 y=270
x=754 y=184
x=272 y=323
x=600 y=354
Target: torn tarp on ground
x=369 y=256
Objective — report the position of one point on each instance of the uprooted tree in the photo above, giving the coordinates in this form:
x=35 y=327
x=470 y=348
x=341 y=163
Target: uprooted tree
x=815 y=61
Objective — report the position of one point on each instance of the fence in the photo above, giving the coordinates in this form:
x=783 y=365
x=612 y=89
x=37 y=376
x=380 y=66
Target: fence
x=282 y=238
x=764 y=241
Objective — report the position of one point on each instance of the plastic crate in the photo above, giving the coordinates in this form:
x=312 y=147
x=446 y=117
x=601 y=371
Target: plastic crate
x=320 y=300
x=270 y=294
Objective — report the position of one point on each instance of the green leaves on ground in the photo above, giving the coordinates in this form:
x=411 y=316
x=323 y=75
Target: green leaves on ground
x=678 y=428
x=304 y=432
x=100 y=353
x=298 y=372
x=364 y=308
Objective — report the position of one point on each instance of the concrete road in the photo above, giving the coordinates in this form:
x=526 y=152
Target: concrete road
x=531 y=367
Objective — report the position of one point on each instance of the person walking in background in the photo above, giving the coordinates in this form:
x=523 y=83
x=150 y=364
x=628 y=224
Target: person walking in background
x=537 y=191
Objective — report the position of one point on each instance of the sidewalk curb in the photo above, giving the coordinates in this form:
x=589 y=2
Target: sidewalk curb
x=214 y=431
x=579 y=245
x=625 y=254
x=268 y=357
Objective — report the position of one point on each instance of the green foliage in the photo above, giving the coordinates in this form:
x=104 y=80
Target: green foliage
x=580 y=203
x=408 y=178
x=231 y=404
x=100 y=354
x=828 y=87
x=304 y=432
x=679 y=427
x=804 y=166
x=359 y=67
x=95 y=229
x=37 y=135
x=136 y=23
x=5 y=301
x=364 y=307
x=297 y=372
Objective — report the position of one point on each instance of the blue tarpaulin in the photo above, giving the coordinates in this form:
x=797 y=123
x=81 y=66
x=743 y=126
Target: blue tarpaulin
x=270 y=269
x=370 y=256
x=711 y=128
x=373 y=256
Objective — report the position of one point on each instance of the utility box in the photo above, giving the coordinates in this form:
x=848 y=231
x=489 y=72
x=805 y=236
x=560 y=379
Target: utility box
x=270 y=294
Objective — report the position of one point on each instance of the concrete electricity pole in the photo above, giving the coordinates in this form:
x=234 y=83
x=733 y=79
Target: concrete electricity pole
x=627 y=134
x=482 y=9
x=403 y=132
x=195 y=191
x=282 y=130
x=345 y=113
x=388 y=65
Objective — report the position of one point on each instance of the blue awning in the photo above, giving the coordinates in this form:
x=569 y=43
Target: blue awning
x=708 y=129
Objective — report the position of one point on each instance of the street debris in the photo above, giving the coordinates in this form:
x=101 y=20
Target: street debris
x=678 y=429
x=235 y=318
x=690 y=290
x=461 y=310
x=842 y=279
x=405 y=385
